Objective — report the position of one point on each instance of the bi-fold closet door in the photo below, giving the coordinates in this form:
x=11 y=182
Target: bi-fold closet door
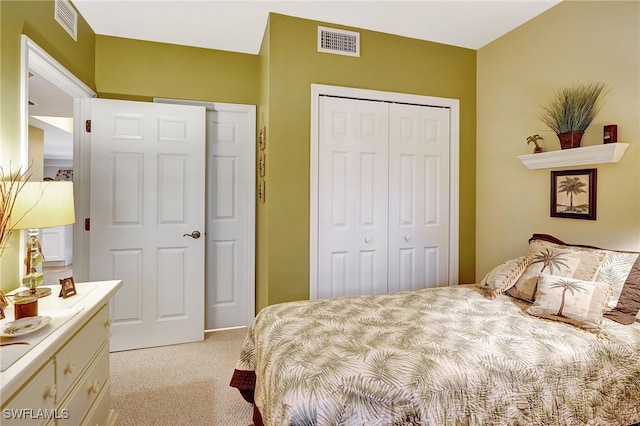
x=383 y=197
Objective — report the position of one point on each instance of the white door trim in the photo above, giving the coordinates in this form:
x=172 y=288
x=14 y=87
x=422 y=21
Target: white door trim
x=251 y=229
x=33 y=57
x=318 y=90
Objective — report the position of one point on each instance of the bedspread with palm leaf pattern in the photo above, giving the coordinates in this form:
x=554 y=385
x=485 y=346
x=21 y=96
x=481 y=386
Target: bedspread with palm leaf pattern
x=442 y=356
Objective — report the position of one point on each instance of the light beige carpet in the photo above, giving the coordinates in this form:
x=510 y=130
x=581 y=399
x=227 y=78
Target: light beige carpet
x=184 y=384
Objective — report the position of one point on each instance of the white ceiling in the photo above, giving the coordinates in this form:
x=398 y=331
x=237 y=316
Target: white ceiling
x=239 y=25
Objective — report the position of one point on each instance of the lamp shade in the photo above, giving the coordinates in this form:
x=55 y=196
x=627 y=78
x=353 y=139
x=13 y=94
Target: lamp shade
x=42 y=205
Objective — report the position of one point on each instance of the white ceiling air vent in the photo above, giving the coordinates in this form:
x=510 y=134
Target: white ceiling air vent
x=340 y=42
x=67 y=17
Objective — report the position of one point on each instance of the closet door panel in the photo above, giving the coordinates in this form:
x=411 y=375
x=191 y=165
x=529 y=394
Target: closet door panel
x=353 y=186
x=418 y=197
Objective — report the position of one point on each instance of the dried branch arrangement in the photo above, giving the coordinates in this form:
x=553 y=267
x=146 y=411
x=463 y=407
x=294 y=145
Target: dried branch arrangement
x=10 y=185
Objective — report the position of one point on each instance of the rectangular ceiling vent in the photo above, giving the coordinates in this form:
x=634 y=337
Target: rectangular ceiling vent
x=339 y=42
x=67 y=17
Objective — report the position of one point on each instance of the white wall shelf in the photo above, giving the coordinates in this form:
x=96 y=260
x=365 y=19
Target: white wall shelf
x=597 y=154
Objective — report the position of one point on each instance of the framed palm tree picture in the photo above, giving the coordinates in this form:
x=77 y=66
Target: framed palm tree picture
x=573 y=194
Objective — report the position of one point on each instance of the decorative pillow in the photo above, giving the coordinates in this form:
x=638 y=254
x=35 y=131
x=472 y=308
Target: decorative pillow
x=625 y=295
x=554 y=259
x=629 y=302
x=577 y=302
x=615 y=269
x=504 y=276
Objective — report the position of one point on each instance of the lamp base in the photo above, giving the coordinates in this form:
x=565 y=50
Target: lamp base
x=39 y=292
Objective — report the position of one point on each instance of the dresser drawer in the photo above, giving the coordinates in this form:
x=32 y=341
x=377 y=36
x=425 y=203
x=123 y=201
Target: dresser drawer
x=74 y=357
x=102 y=412
x=34 y=404
x=82 y=397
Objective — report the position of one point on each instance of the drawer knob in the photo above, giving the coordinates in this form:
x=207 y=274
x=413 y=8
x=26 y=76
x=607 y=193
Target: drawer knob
x=93 y=387
x=69 y=368
x=51 y=392
x=108 y=323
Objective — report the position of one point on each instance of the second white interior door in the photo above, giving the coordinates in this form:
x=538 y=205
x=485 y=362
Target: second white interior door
x=230 y=213
x=230 y=266
x=383 y=197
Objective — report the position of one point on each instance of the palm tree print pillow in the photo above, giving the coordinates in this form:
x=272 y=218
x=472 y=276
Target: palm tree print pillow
x=577 y=302
x=554 y=259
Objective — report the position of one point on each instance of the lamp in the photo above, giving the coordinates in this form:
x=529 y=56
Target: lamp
x=40 y=205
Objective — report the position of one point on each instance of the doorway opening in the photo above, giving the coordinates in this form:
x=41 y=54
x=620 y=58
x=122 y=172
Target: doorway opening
x=52 y=112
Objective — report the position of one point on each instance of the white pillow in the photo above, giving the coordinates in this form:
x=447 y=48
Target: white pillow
x=574 y=301
x=504 y=276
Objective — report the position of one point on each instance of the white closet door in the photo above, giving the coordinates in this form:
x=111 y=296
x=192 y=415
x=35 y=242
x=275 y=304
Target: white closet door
x=418 y=197
x=353 y=187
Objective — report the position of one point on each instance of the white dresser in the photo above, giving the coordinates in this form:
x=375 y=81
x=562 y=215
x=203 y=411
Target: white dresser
x=62 y=376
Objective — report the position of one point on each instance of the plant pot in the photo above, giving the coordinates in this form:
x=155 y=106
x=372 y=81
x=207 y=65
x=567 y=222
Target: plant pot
x=570 y=139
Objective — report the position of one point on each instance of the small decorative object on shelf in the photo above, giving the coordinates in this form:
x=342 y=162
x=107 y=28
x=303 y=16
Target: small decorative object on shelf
x=534 y=140
x=571 y=111
x=610 y=133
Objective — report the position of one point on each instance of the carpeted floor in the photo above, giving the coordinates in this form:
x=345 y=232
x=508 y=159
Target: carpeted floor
x=181 y=384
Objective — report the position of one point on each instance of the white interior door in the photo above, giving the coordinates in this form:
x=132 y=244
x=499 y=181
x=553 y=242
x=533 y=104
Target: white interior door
x=418 y=197
x=147 y=198
x=230 y=213
x=230 y=289
x=352 y=233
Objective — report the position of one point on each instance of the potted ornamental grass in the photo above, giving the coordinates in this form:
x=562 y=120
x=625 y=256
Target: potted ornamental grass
x=571 y=111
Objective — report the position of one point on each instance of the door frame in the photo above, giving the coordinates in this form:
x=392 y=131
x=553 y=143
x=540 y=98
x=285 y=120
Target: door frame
x=35 y=58
x=250 y=110
x=318 y=90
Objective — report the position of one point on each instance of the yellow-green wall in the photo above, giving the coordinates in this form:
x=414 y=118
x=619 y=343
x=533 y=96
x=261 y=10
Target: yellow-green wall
x=36 y=20
x=575 y=41
x=142 y=70
x=278 y=80
x=262 y=213
x=387 y=63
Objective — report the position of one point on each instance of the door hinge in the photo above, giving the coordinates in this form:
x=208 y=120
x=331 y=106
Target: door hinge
x=87 y=224
x=87 y=126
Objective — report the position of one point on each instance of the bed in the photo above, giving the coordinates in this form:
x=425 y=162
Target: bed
x=477 y=354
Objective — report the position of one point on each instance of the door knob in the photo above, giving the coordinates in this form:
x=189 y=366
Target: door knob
x=195 y=235
x=367 y=240
x=407 y=237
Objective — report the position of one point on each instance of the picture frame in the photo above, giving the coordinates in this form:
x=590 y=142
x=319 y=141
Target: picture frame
x=610 y=133
x=67 y=287
x=573 y=194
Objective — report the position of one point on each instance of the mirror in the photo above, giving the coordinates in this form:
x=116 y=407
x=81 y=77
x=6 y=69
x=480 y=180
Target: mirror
x=51 y=150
